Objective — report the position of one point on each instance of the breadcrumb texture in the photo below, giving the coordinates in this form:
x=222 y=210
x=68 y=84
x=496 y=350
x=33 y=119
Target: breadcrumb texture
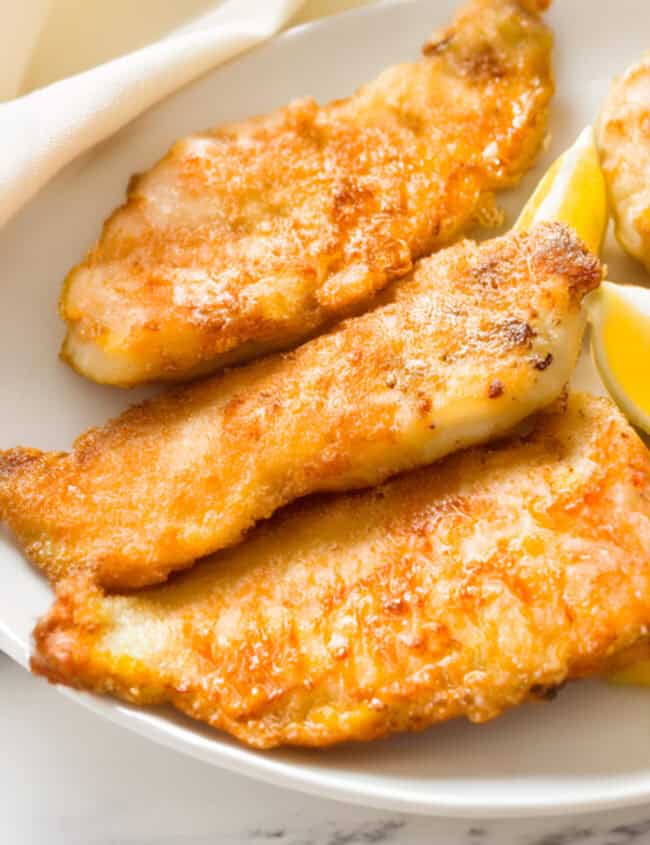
x=458 y=590
x=624 y=139
x=252 y=236
x=477 y=338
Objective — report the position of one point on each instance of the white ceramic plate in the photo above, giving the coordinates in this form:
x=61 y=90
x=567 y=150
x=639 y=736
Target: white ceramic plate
x=591 y=748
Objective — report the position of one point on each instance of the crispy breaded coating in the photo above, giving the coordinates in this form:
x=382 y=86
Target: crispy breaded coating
x=252 y=236
x=479 y=337
x=457 y=590
x=624 y=140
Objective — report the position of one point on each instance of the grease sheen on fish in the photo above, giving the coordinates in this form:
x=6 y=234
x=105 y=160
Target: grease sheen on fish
x=476 y=339
x=253 y=236
x=461 y=589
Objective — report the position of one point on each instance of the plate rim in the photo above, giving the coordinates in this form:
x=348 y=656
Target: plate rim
x=615 y=792
x=628 y=791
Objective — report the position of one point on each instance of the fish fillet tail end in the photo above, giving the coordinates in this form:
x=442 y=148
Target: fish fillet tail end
x=58 y=651
x=555 y=249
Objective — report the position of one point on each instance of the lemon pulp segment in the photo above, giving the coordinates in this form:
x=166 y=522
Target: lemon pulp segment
x=626 y=338
x=572 y=191
x=620 y=319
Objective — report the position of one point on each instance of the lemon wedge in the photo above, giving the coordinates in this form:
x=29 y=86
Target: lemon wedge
x=620 y=342
x=572 y=191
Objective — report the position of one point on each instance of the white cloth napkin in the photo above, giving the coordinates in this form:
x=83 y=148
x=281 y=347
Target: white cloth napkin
x=44 y=130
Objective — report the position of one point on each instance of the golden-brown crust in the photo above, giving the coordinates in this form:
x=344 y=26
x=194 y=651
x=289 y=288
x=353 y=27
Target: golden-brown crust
x=456 y=590
x=479 y=337
x=254 y=235
x=624 y=140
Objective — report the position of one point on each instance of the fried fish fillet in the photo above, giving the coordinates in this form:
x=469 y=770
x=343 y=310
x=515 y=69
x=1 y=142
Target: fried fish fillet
x=457 y=590
x=252 y=236
x=479 y=337
x=624 y=139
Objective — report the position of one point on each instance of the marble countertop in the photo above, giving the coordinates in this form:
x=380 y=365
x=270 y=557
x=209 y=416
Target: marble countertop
x=69 y=778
